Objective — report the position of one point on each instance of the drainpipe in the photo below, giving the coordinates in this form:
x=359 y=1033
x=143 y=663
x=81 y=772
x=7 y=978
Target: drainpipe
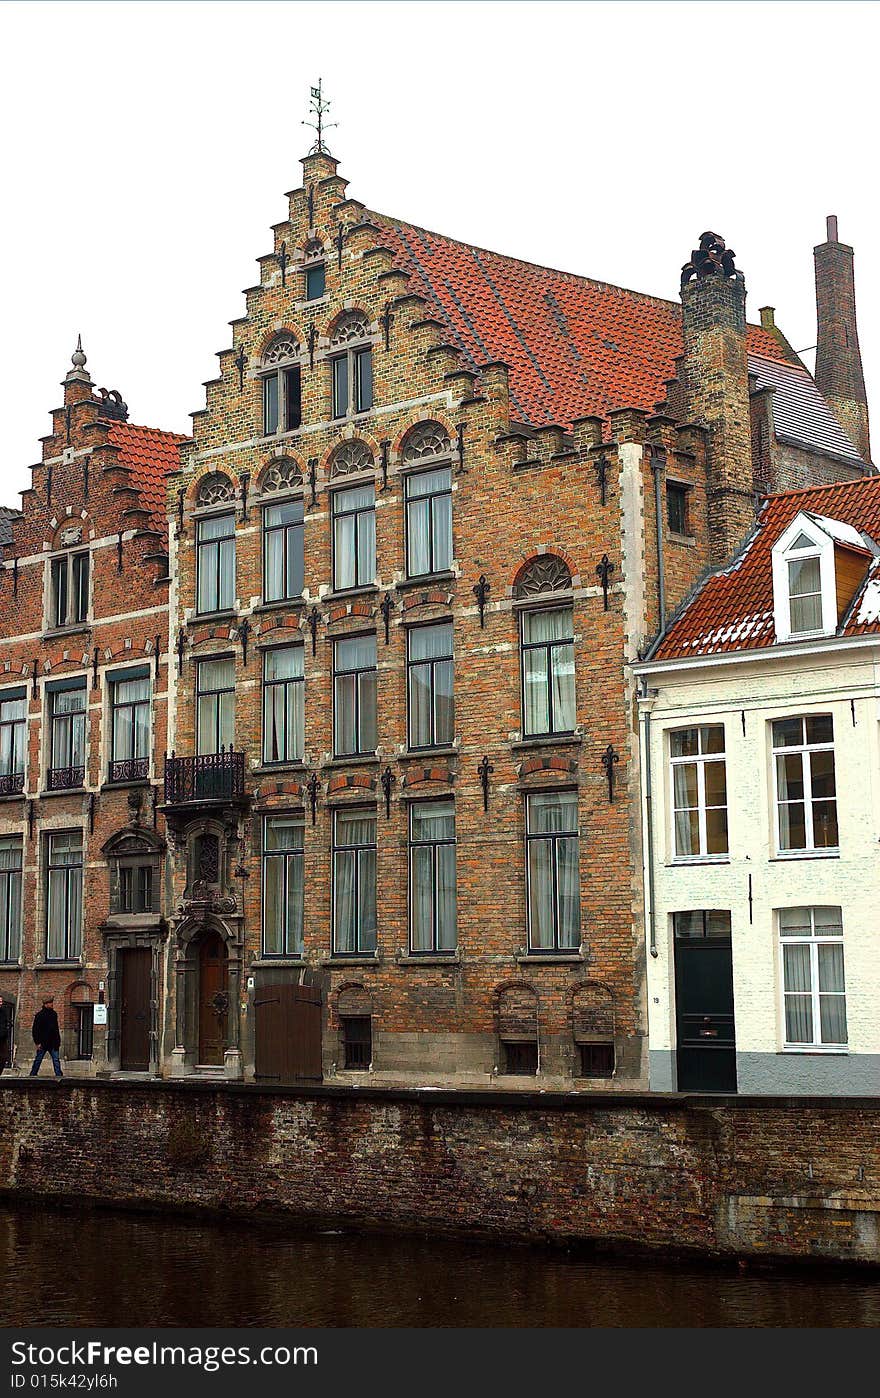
x=658 y=465
x=649 y=825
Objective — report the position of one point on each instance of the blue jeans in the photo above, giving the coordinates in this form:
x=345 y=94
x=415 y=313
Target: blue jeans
x=56 y=1062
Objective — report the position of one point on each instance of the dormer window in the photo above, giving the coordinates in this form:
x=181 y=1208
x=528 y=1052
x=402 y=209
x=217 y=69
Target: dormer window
x=818 y=566
x=69 y=600
x=804 y=587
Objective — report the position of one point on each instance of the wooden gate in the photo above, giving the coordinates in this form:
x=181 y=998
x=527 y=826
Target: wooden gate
x=287 y=1034
x=134 y=1016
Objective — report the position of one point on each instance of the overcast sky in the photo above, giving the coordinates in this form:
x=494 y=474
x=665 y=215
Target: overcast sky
x=147 y=148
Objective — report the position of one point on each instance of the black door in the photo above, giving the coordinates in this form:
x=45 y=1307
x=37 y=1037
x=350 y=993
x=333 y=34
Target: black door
x=706 y=1054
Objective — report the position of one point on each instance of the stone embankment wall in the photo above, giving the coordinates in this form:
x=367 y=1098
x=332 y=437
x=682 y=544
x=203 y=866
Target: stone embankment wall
x=788 y=1178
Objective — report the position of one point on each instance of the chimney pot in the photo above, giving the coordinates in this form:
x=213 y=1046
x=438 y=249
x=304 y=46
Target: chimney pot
x=768 y=317
x=831 y=228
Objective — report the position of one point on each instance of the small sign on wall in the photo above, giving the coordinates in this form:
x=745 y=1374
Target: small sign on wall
x=100 y=1013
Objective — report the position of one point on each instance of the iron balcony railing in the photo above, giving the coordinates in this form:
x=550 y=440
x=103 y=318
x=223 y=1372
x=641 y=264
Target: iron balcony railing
x=209 y=776
x=65 y=778
x=129 y=769
x=11 y=783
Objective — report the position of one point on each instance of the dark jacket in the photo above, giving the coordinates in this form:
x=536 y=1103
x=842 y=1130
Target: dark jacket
x=45 y=1031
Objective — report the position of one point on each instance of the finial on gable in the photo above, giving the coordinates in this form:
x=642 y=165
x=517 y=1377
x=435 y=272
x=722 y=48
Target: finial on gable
x=318 y=105
x=79 y=372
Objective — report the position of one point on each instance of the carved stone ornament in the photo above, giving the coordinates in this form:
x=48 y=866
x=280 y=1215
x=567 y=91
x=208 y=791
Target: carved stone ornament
x=711 y=259
x=280 y=350
x=428 y=439
x=353 y=326
x=545 y=574
x=351 y=457
x=215 y=489
x=283 y=474
x=70 y=536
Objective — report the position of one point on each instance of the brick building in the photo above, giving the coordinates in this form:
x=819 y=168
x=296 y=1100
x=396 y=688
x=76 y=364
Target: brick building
x=436 y=503
x=83 y=708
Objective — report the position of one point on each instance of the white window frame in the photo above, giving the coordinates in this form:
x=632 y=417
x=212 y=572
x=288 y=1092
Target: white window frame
x=699 y=759
x=814 y=942
x=822 y=547
x=805 y=749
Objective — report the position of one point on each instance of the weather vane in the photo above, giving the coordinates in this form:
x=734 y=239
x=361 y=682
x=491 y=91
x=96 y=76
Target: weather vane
x=318 y=106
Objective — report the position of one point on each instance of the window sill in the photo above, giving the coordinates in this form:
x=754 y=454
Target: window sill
x=419 y=754
x=273 y=769
x=348 y=594
x=52 y=632
x=550 y=958
x=683 y=540
x=428 y=958
x=282 y=962
x=125 y=786
x=282 y=604
x=14 y=796
x=71 y=964
x=689 y=861
x=817 y=1050
x=355 y=959
x=357 y=759
x=199 y=618
x=285 y=436
x=425 y=580
x=788 y=856
x=547 y=740
x=61 y=791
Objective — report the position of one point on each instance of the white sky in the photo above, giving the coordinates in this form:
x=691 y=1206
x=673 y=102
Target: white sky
x=147 y=148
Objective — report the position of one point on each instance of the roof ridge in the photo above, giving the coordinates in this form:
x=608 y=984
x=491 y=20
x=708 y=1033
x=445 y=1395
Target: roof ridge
x=812 y=489
x=156 y=431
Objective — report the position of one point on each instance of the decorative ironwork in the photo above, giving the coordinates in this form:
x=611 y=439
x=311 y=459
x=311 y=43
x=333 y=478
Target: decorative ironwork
x=245 y=486
x=48 y=485
x=386 y=320
x=65 y=778
x=351 y=457
x=313 y=340
x=213 y=776
x=68 y=420
x=220 y=1003
x=181 y=647
x=311 y=199
x=279 y=350
x=35 y=688
x=314 y=618
x=713 y=258
x=215 y=489
x=387 y=779
x=11 y=783
x=31 y=813
x=426 y=440
x=484 y=772
x=91 y=812
x=95 y=655
x=240 y=362
x=157 y=654
x=353 y=326
x=86 y=478
x=386 y=607
x=459 y=447
x=282 y=262
x=601 y=469
x=313 y=786
x=545 y=574
x=340 y=241
x=750 y=900
x=283 y=474
x=15 y=576
x=313 y=480
x=481 y=591
x=119 y=553
x=610 y=758
x=244 y=631
x=603 y=573
x=318 y=105
x=384 y=446
x=208 y=859
x=180 y=505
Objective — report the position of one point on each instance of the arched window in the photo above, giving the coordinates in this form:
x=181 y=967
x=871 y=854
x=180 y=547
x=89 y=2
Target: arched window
x=517 y=1018
x=215 y=489
x=592 y=1014
x=351 y=362
x=545 y=574
x=351 y=457
x=428 y=495
x=427 y=440
x=313 y=271
x=282 y=394
x=215 y=546
x=283 y=556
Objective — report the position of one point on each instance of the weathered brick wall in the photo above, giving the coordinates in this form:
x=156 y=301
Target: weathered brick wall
x=767 y=1177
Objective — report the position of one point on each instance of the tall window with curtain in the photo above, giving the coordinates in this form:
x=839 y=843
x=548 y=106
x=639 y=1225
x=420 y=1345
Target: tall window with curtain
x=283 y=705
x=354 y=696
x=806 y=791
x=804 y=586
x=547 y=643
x=67 y=743
x=432 y=876
x=215 y=705
x=429 y=522
x=215 y=563
x=554 y=910
x=64 y=875
x=430 y=707
x=354 y=537
x=283 y=557
x=813 y=987
x=354 y=882
x=699 y=791
x=10 y=898
x=130 y=728
x=283 y=895
x=13 y=743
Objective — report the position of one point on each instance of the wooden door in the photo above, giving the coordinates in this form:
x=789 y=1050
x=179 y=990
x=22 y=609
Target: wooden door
x=213 y=999
x=134 y=1010
x=287 y=1034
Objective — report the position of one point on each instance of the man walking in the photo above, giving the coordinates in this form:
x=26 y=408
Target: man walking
x=47 y=1037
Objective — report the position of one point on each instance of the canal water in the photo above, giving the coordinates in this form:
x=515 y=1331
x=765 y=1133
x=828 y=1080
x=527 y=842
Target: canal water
x=86 y=1268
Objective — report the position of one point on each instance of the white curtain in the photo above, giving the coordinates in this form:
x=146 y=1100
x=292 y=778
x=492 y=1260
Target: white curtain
x=685 y=799
x=798 y=997
x=832 y=1002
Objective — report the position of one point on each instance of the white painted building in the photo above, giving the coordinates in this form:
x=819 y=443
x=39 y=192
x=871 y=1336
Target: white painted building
x=760 y=751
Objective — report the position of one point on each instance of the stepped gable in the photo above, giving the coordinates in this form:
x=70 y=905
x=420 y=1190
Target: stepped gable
x=575 y=347
x=733 y=608
x=150 y=454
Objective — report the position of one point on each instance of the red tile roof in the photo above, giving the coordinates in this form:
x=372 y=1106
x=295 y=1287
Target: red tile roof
x=575 y=347
x=150 y=454
x=732 y=610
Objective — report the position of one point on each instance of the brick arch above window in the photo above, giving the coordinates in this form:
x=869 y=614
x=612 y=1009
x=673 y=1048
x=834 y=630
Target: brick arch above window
x=425 y=442
x=516 y=1011
x=353 y=998
x=544 y=572
x=280 y=474
x=215 y=489
x=72 y=532
x=592 y=1011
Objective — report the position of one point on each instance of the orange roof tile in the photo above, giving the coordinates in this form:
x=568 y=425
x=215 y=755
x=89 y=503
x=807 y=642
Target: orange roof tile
x=150 y=454
x=732 y=609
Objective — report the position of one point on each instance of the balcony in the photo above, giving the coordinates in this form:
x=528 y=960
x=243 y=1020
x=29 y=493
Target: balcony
x=11 y=783
x=205 y=779
x=129 y=769
x=65 y=778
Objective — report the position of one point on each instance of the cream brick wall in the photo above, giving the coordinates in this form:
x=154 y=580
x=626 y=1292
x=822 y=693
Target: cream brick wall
x=745 y=698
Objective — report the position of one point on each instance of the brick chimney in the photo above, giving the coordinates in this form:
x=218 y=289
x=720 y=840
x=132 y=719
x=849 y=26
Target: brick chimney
x=839 y=374
x=716 y=386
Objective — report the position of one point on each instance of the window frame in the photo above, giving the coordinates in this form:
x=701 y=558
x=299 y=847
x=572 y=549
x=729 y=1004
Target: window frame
x=358 y=850
x=282 y=378
x=201 y=693
x=290 y=950
x=84 y=1032
x=68 y=721
x=297 y=740
x=12 y=777
x=524 y=645
x=73 y=589
x=137 y=766
x=206 y=547
x=814 y=941
x=336 y=514
x=679 y=490
x=805 y=749
x=72 y=945
x=318 y=265
x=294 y=528
x=433 y=845
x=409 y=476
x=352 y=355
x=430 y=663
x=552 y=838
x=11 y=937
x=699 y=759
x=360 y=750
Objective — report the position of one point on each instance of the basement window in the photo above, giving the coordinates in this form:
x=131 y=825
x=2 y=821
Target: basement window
x=597 y=1060
x=357 y=1042
x=521 y=1059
